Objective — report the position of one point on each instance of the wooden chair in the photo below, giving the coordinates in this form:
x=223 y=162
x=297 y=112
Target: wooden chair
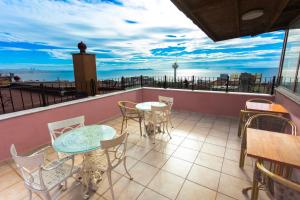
x=129 y=112
x=113 y=154
x=169 y=101
x=60 y=127
x=41 y=177
x=244 y=116
x=278 y=185
x=268 y=122
x=159 y=118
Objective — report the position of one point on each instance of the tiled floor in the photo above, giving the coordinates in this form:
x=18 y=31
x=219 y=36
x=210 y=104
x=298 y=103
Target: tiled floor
x=199 y=162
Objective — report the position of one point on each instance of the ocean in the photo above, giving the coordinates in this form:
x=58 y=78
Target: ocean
x=43 y=75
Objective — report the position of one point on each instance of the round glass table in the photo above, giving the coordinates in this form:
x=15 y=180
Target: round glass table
x=146 y=106
x=83 y=140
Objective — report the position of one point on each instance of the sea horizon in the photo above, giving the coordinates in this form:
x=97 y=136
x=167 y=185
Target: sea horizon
x=68 y=75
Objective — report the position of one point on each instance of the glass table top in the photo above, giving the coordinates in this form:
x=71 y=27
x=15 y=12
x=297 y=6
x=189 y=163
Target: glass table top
x=146 y=106
x=83 y=139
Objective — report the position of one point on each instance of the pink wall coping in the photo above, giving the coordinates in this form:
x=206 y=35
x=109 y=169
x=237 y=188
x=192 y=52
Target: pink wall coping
x=28 y=129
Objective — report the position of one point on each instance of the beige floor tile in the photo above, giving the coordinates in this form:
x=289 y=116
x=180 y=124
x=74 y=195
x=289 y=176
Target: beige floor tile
x=234 y=144
x=180 y=132
x=129 y=163
x=210 y=161
x=178 y=167
x=124 y=189
x=232 y=186
x=204 y=124
x=204 y=176
x=218 y=133
x=76 y=194
x=234 y=155
x=143 y=173
x=104 y=184
x=213 y=149
x=15 y=192
x=166 y=184
x=192 y=191
x=216 y=140
x=8 y=179
x=166 y=148
x=137 y=152
x=223 y=197
x=4 y=168
x=200 y=130
x=232 y=168
x=151 y=195
x=196 y=136
x=147 y=143
x=192 y=144
x=156 y=159
x=134 y=138
x=186 y=154
x=175 y=139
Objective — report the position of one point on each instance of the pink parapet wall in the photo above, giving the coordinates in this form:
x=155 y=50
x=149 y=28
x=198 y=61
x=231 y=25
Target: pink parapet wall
x=216 y=103
x=30 y=131
x=291 y=106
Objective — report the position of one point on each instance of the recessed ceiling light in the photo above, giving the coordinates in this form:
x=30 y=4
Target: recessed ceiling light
x=252 y=14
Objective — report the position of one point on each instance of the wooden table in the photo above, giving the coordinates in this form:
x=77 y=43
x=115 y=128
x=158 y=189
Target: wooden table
x=266 y=107
x=273 y=146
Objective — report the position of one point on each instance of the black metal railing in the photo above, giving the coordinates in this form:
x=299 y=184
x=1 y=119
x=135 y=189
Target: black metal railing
x=27 y=95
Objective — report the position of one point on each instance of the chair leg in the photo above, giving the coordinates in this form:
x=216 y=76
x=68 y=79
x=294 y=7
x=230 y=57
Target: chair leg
x=30 y=194
x=255 y=188
x=170 y=120
x=140 y=122
x=242 y=158
x=47 y=195
x=110 y=184
x=122 y=125
x=168 y=131
x=125 y=166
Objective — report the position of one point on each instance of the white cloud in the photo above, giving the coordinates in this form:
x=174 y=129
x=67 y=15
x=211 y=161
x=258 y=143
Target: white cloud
x=102 y=26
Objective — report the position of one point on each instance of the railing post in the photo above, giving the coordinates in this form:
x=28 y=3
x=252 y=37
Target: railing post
x=227 y=83
x=273 y=85
x=142 y=81
x=123 y=83
x=43 y=94
x=165 y=82
x=193 y=80
x=93 y=87
x=2 y=104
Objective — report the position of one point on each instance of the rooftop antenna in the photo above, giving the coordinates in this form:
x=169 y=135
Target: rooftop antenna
x=175 y=66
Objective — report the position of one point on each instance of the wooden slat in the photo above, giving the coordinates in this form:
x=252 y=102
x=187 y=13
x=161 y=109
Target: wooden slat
x=272 y=146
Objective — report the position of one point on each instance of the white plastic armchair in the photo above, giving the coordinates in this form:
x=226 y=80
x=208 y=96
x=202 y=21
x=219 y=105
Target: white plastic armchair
x=41 y=177
x=169 y=101
x=60 y=127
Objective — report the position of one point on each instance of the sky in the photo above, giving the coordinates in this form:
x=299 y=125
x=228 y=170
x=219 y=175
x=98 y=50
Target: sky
x=124 y=34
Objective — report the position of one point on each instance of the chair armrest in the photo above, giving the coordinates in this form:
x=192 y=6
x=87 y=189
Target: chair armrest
x=57 y=163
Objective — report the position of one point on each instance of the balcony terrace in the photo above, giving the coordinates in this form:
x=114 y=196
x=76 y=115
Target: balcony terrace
x=199 y=162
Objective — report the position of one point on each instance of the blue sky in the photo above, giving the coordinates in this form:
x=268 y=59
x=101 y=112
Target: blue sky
x=124 y=34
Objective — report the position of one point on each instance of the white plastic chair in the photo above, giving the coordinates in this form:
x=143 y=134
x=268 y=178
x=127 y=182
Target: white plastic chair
x=169 y=101
x=159 y=118
x=114 y=153
x=41 y=177
x=60 y=127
